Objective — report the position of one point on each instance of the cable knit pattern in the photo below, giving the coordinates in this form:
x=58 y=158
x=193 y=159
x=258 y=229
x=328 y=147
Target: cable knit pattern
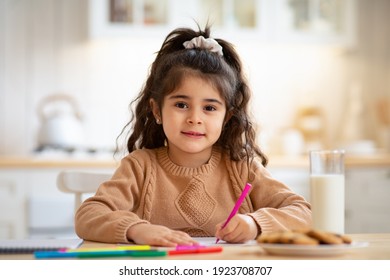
x=195 y=204
x=148 y=202
x=149 y=193
x=235 y=173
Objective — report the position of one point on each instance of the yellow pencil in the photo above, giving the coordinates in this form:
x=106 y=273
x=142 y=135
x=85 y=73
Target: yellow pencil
x=116 y=248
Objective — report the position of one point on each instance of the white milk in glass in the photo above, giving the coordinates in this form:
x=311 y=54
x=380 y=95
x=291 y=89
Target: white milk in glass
x=327 y=200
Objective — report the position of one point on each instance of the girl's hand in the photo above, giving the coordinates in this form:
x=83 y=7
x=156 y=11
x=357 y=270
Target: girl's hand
x=240 y=229
x=156 y=235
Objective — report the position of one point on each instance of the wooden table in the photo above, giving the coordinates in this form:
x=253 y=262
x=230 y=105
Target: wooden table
x=378 y=249
x=275 y=161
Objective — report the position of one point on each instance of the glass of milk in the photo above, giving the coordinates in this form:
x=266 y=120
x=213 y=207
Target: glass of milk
x=327 y=190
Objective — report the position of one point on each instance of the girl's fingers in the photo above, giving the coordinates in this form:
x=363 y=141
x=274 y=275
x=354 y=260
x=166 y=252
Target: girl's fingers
x=175 y=238
x=159 y=236
x=183 y=238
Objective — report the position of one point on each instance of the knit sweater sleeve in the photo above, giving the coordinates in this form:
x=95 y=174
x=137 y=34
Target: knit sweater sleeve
x=106 y=216
x=276 y=206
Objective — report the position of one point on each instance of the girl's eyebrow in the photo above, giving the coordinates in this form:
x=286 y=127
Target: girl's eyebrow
x=181 y=96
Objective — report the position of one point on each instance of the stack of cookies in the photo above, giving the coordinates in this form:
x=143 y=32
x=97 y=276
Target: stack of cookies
x=304 y=237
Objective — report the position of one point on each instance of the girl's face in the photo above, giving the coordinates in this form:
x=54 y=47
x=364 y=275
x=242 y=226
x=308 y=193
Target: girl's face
x=192 y=117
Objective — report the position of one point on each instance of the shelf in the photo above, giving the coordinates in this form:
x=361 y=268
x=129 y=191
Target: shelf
x=278 y=21
x=36 y=162
x=368 y=161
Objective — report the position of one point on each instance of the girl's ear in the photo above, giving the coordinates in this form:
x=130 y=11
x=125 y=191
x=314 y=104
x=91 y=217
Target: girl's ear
x=155 y=110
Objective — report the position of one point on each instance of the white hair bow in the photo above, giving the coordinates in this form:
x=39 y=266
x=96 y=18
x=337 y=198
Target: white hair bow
x=203 y=43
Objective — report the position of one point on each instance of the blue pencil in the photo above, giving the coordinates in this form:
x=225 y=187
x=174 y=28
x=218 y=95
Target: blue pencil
x=98 y=254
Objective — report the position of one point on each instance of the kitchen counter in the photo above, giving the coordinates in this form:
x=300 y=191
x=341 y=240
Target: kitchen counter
x=37 y=162
x=379 y=160
x=376 y=160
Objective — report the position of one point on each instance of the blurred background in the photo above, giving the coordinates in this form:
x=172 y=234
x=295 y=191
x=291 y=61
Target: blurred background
x=319 y=71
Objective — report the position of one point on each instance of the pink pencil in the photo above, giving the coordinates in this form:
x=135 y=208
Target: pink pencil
x=237 y=206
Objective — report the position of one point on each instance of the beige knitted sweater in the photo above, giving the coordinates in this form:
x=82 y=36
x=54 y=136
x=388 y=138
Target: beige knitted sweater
x=148 y=187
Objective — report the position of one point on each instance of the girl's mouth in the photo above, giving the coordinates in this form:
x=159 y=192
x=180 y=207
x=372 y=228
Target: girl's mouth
x=193 y=133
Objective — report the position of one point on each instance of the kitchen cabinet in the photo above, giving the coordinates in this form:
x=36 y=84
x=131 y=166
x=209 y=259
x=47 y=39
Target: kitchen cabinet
x=31 y=206
x=315 y=21
x=285 y=21
x=12 y=205
x=151 y=17
x=367 y=200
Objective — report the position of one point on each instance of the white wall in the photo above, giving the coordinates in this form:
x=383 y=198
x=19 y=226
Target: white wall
x=45 y=49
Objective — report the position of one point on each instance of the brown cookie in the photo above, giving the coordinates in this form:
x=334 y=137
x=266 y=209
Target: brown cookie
x=304 y=237
x=346 y=239
x=271 y=237
x=298 y=238
x=325 y=237
x=286 y=237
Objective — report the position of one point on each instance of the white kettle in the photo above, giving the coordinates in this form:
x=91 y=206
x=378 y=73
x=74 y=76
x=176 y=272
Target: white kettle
x=61 y=125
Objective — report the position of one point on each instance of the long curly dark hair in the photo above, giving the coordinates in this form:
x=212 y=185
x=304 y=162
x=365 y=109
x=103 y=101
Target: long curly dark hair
x=172 y=64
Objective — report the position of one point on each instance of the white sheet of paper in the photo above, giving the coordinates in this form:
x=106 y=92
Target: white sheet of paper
x=210 y=241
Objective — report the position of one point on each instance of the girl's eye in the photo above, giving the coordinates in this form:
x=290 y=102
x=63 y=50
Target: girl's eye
x=181 y=105
x=210 y=108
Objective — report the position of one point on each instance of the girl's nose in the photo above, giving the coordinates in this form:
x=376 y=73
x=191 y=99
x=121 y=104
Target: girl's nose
x=194 y=118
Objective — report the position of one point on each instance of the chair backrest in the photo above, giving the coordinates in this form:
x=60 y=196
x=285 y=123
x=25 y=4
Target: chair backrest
x=80 y=182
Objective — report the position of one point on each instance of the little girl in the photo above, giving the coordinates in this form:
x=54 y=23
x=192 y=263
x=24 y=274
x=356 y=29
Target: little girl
x=191 y=151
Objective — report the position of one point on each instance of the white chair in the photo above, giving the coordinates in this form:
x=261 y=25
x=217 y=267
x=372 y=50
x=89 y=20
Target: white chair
x=80 y=182
x=12 y=214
